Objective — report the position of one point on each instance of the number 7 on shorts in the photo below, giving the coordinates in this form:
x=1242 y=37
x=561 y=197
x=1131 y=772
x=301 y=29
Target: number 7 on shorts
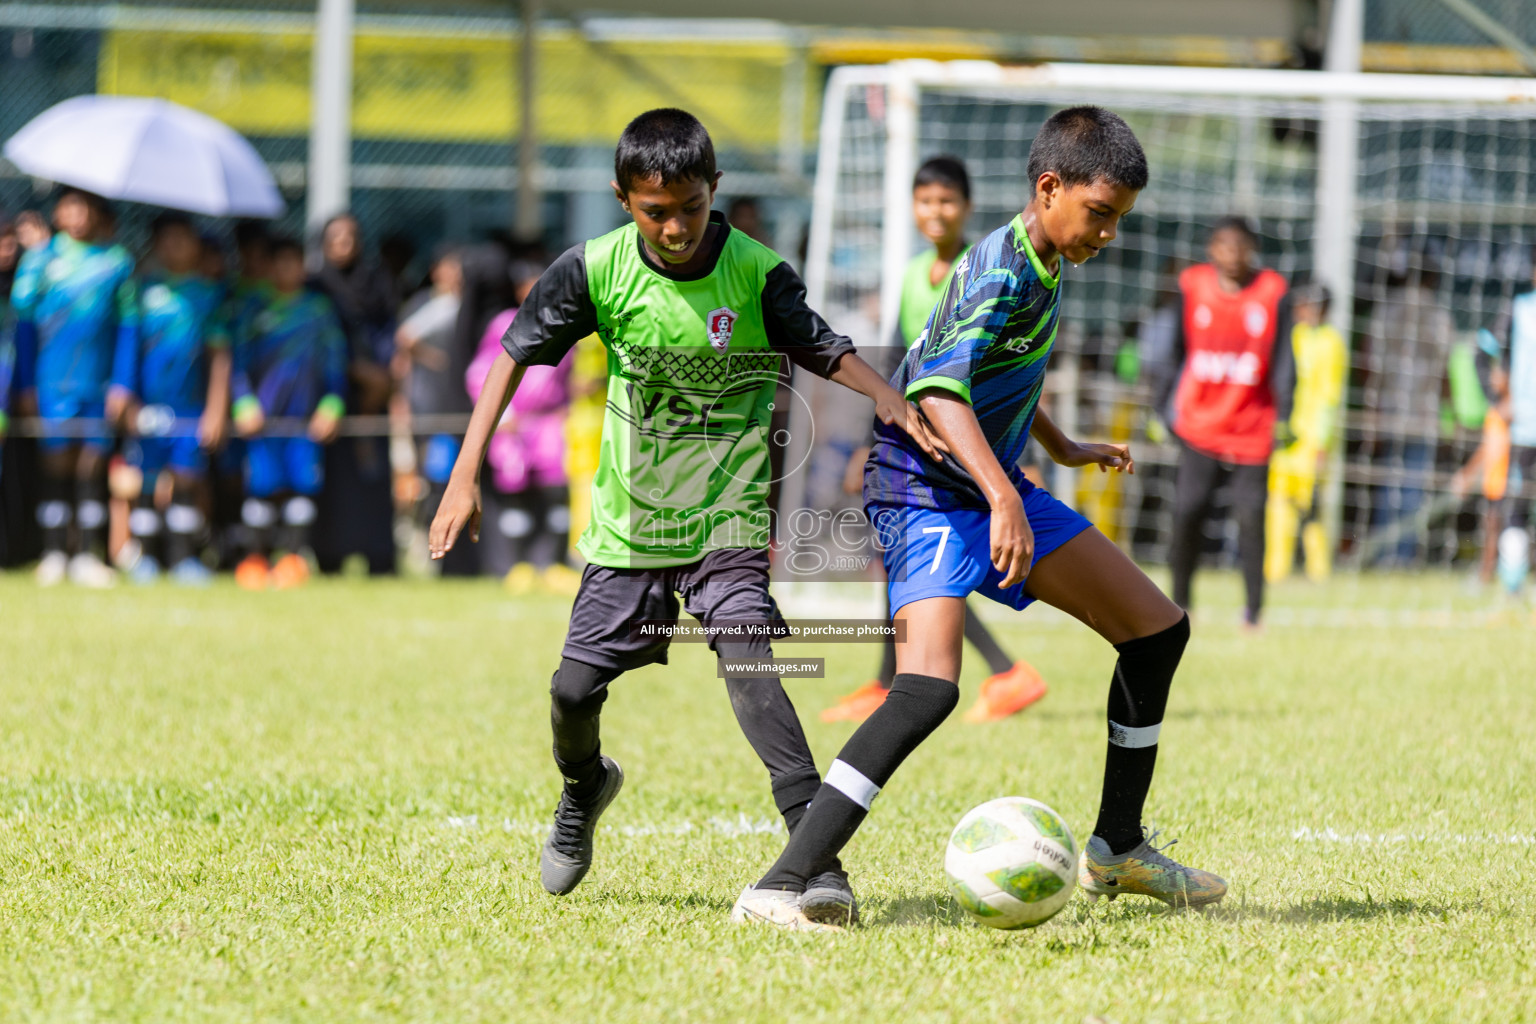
x=942 y=541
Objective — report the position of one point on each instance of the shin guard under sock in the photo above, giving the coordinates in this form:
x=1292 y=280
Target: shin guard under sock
x=577 y=693
x=1138 y=696
x=259 y=515
x=55 y=512
x=144 y=525
x=916 y=706
x=184 y=521
x=299 y=514
x=91 y=514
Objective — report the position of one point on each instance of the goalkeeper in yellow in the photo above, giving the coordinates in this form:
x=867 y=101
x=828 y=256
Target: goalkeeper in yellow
x=1321 y=362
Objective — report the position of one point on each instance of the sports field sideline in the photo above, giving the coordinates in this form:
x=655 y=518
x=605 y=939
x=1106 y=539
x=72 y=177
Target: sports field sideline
x=326 y=805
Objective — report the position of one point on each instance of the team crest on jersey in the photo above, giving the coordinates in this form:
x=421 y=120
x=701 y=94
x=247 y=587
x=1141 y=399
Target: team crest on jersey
x=1255 y=319
x=718 y=324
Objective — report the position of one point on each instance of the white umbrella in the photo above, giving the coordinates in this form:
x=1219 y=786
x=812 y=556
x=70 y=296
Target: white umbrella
x=147 y=151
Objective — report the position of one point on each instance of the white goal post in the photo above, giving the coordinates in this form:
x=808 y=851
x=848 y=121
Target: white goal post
x=1343 y=173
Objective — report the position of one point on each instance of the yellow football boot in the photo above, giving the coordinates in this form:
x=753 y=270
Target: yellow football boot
x=1146 y=871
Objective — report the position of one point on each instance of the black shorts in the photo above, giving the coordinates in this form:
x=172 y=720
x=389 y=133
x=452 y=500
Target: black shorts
x=730 y=585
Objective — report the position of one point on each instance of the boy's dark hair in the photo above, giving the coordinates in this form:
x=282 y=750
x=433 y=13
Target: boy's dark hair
x=945 y=170
x=277 y=245
x=99 y=205
x=249 y=233
x=1312 y=293
x=665 y=142
x=170 y=219
x=1238 y=224
x=1088 y=144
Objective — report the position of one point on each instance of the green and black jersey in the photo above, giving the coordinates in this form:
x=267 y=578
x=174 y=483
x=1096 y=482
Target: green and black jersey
x=693 y=363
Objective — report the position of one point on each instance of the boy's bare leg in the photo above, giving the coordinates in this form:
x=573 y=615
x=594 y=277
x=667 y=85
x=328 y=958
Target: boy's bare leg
x=1092 y=580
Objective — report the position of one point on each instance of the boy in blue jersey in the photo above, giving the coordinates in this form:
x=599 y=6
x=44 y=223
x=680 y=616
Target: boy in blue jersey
x=290 y=360
x=181 y=378
x=76 y=319
x=941 y=205
x=973 y=522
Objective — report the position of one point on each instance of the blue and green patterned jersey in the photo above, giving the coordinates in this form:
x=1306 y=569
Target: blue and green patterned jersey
x=76 y=316
x=290 y=355
x=180 y=319
x=988 y=340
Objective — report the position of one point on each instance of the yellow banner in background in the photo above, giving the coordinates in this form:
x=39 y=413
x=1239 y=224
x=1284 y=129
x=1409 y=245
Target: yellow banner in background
x=458 y=88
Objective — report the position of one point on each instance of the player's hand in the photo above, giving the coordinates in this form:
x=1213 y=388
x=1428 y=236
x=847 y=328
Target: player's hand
x=1013 y=542
x=459 y=508
x=249 y=420
x=211 y=429
x=118 y=407
x=1107 y=457
x=323 y=426
x=892 y=409
x=1284 y=435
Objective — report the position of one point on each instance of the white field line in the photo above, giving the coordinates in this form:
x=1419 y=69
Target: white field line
x=742 y=826
x=1330 y=836
x=732 y=828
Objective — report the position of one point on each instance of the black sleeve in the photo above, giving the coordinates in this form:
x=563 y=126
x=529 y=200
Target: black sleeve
x=1173 y=367
x=1282 y=363
x=556 y=315
x=797 y=330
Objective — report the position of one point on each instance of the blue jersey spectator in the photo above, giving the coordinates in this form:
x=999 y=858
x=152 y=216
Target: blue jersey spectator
x=76 y=319
x=290 y=360
x=181 y=377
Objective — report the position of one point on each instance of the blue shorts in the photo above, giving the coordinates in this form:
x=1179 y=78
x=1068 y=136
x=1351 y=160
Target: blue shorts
x=274 y=464
x=60 y=409
x=929 y=553
x=184 y=456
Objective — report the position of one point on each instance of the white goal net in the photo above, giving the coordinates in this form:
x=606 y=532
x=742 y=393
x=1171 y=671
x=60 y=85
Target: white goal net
x=1408 y=196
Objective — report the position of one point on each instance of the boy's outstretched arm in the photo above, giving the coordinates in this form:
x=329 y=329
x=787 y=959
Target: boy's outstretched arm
x=460 y=506
x=1066 y=452
x=955 y=422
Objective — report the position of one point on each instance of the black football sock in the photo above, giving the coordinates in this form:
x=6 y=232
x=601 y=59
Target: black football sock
x=917 y=705
x=184 y=523
x=91 y=514
x=768 y=720
x=259 y=515
x=144 y=524
x=576 y=696
x=299 y=514
x=55 y=511
x=1138 y=695
x=986 y=644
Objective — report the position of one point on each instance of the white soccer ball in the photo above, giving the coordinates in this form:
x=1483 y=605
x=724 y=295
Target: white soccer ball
x=1011 y=863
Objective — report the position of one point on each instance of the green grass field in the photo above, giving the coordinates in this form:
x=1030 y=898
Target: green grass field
x=326 y=806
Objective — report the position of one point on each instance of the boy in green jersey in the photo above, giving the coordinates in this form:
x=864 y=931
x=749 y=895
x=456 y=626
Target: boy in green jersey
x=941 y=206
x=696 y=318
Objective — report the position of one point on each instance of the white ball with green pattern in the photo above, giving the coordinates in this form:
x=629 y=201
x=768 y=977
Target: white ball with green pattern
x=1011 y=863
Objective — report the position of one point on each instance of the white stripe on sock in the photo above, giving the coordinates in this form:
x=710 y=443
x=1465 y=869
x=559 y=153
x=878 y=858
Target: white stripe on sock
x=1125 y=736
x=143 y=522
x=849 y=781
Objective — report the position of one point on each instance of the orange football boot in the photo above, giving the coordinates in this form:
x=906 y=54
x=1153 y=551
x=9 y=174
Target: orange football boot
x=290 y=571
x=1007 y=693
x=252 y=573
x=858 y=705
